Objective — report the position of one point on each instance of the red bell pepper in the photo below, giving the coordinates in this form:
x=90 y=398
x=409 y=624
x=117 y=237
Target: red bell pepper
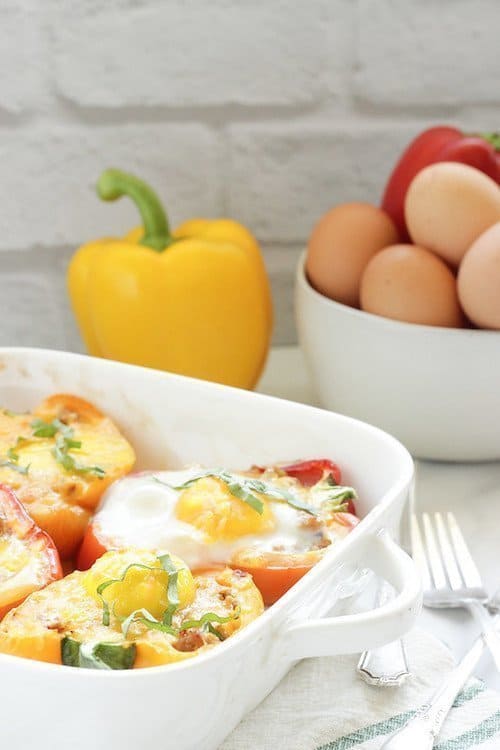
x=312 y=471
x=441 y=143
x=28 y=557
x=275 y=572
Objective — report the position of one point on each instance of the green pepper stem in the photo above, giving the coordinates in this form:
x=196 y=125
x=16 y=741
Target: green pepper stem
x=114 y=184
x=492 y=138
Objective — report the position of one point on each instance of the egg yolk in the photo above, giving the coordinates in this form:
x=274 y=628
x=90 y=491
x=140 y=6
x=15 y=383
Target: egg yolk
x=141 y=582
x=210 y=507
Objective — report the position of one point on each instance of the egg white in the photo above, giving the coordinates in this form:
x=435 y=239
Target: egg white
x=139 y=512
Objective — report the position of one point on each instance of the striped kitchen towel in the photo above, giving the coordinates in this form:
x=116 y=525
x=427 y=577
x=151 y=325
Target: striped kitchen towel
x=323 y=705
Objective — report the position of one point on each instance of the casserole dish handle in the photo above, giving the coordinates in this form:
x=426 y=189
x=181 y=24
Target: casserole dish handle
x=354 y=633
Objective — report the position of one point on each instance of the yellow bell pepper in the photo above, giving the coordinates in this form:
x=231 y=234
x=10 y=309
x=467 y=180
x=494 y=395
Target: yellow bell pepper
x=195 y=301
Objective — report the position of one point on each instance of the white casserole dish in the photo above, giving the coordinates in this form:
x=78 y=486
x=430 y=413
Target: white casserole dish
x=173 y=421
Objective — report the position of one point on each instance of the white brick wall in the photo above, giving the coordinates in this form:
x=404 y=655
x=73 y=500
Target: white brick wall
x=269 y=111
x=194 y=54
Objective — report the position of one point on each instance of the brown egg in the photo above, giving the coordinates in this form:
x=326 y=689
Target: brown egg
x=408 y=283
x=448 y=205
x=479 y=280
x=340 y=246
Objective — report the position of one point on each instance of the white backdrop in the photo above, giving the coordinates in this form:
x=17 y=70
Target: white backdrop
x=269 y=111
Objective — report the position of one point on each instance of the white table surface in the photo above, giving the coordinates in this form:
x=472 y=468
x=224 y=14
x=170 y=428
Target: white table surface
x=472 y=491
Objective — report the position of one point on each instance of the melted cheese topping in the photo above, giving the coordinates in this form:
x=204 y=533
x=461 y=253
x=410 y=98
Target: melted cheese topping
x=21 y=569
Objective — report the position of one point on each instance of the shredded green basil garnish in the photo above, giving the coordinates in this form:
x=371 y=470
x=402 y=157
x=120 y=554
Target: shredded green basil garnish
x=333 y=497
x=12 y=455
x=244 y=487
x=12 y=461
x=115 y=656
x=208 y=619
x=277 y=493
x=43 y=429
x=205 y=622
x=164 y=625
x=64 y=443
x=98 y=655
x=238 y=488
x=215 y=632
x=172 y=588
x=14 y=466
x=70 y=652
x=147 y=619
x=61 y=453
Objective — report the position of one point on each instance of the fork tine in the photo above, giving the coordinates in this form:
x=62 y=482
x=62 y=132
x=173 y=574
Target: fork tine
x=434 y=557
x=447 y=554
x=418 y=551
x=467 y=565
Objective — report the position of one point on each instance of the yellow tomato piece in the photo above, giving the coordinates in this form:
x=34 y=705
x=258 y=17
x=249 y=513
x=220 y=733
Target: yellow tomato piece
x=154 y=649
x=102 y=445
x=245 y=597
x=14 y=555
x=43 y=646
x=34 y=629
x=59 y=497
x=19 y=570
x=110 y=452
x=209 y=506
x=144 y=584
x=11 y=426
x=64 y=522
x=225 y=592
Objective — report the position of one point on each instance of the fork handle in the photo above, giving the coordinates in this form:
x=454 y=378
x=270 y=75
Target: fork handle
x=422 y=730
x=487 y=623
x=385 y=666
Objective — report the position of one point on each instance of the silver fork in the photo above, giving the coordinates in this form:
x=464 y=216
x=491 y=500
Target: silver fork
x=450 y=576
x=385 y=666
x=423 y=729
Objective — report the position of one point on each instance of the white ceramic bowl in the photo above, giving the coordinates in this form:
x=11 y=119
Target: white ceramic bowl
x=435 y=389
x=173 y=421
